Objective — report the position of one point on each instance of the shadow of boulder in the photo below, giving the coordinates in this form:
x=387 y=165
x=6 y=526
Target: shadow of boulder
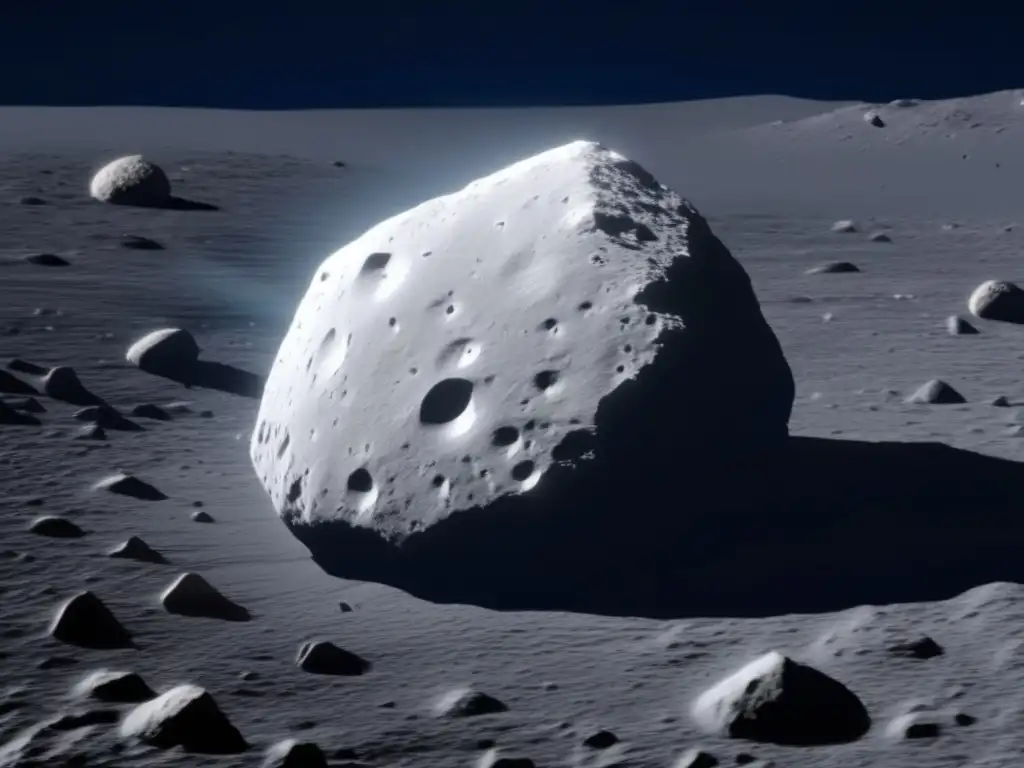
x=181 y=204
x=211 y=375
x=821 y=526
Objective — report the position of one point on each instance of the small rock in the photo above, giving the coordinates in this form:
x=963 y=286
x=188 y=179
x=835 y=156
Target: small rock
x=833 y=268
x=47 y=260
x=135 y=548
x=167 y=352
x=139 y=243
x=345 y=607
x=321 y=657
x=12 y=385
x=31 y=200
x=880 y=237
x=115 y=687
x=192 y=595
x=466 y=702
x=27 y=405
x=936 y=392
x=202 y=516
x=56 y=527
x=696 y=758
x=845 y=226
x=874 y=119
x=492 y=758
x=62 y=383
x=108 y=417
x=997 y=300
x=85 y=621
x=129 y=485
x=295 y=754
x=12 y=418
x=601 y=740
x=921 y=648
x=915 y=725
x=185 y=716
x=1000 y=402
x=91 y=432
x=150 y=411
x=131 y=180
x=958 y=326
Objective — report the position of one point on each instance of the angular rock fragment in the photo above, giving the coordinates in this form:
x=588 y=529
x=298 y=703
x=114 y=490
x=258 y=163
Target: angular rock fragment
x=85 y=621
x=777 y=700
x=467 y=702
x=192 y=595
x=114 y=686
x=936 y=392
x=325 y=658
x=135 y=548
x=186 y=716
x=129 y=485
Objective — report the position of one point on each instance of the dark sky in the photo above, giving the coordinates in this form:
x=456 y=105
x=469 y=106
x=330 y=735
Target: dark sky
x=332 y=53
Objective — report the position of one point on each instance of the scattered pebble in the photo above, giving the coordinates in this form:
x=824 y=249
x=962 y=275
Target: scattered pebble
x=56 y=527
x=936 y=392
x=322 y=657
x=467 y=702
x=958 y=326
x=85 y=621
x=192 y=595
x=833 y=268
x=139 y=243
x=202 y=516
x=135 y=548
x=294 y=754
x=114 y=687
x=47 y=260
x=129 y=485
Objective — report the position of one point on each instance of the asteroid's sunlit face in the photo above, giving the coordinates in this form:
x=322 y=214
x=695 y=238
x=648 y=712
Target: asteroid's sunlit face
x=453 y=353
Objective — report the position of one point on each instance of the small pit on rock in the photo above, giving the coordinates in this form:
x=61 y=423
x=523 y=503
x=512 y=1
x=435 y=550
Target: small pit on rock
x=446 y=401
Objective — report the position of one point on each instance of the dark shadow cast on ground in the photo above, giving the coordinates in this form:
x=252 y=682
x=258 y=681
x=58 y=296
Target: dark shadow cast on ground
x=667 y=520
x=826 y=525
x=219 y=376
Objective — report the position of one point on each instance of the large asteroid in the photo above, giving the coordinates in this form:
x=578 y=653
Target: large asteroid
x=555 y=346
x=131 y=180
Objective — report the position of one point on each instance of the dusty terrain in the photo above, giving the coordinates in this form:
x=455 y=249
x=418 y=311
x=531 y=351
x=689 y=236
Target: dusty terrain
x=942 y=180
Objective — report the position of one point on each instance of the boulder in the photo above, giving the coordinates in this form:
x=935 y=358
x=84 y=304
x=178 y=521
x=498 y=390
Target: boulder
x=85 y=621
x=167 y=351
x=291 y=753
x=529 y=341
x=131 y=180
x=114 y=686
x=997 y=300
x=777 y=700
x=185 y=716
